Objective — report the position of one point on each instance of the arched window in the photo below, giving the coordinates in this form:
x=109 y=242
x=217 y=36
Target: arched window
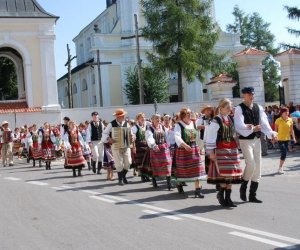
x=74 y=88
x=84 y=85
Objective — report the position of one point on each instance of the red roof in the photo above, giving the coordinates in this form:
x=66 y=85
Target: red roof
x=251 y=51
x=289 y=52
x=16 y=107
x=222 y=78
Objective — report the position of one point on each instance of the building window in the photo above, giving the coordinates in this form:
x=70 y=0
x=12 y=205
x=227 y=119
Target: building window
x=84 y=85
x=74 y=88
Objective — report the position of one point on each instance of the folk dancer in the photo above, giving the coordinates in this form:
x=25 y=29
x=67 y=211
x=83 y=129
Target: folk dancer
x=141 y=151
x=64 y=128
x=121 y=156
x=160 y=157
x=225 y=168
x=189 y=164
x=33 y=141
x=17 y=144
x=93 y=137
x=7 y=144
x=74 y=144
x=86 y=148
x=250 y=120
x=46 y=143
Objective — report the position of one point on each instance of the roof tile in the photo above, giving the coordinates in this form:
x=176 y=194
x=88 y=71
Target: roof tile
x=17 y=107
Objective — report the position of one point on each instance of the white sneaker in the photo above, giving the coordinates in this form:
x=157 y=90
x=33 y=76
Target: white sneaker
x=280 y=171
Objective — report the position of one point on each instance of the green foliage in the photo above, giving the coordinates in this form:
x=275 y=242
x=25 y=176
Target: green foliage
x=156 y=85
x=255 y=33
x=183 y=37
x=8 y=80
x=293 y=14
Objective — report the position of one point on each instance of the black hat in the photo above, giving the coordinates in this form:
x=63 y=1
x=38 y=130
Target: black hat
x=66 y=118
x=95 y=113
x=248 y=90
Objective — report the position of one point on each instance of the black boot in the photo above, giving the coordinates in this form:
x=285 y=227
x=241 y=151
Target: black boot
x=220 y=197
x=154 y=182
x=89 y=165
x=169 y=183
x=243 y=190
x=218 y=187
x=74 y=172
x=49 y=165
x=33 y=162
x=79 y=171
x=124 y=176
x=99 y=167
x=143 y=179
x=180 y=188
x=228 y=200
x=252 y=194
x=198 y=193
x=94 y=166
x=120 y=177
x=40 y=163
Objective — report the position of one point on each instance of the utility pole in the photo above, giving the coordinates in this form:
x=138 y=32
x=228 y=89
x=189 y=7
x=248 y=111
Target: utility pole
x=139 y=62
x=99 y=63
x=69 y=79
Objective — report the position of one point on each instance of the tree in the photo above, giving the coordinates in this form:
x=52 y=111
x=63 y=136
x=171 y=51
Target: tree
x=156 y=85
x=183 y=37
x=293 y=14
x=255 y=33
x=8 y=80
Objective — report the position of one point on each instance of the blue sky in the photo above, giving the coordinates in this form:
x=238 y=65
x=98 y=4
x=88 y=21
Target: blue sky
x=76 y=14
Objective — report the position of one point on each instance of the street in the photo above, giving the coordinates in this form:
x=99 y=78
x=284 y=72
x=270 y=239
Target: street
x=52 y=210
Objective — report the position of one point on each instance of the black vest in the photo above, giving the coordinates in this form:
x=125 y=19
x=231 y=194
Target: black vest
x=96 y=133
x=114 y=124
x=251 y=116
x=66 y=128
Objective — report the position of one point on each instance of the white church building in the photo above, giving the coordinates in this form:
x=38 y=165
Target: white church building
x=104 y=34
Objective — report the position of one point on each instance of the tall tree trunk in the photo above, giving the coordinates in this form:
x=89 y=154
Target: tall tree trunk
x=180 y=88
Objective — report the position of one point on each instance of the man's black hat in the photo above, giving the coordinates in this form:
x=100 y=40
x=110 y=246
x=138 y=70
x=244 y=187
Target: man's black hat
x=66 y=118
x=248 y=90
x=95 y=113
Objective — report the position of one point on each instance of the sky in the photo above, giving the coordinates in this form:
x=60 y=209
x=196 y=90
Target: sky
x=76 y=14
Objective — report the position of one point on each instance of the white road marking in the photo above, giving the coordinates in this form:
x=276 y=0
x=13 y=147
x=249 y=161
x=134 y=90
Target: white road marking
x=90 y=192
x=57 y=188
x=101 y=199
x=12 y=178
x=262 y=240
x=67 y=187
x=172 y=217
x=37 y=183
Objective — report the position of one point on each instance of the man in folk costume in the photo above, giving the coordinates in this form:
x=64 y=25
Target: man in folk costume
x=64 y=128
x=250 y=120
x=122 y=156
x=7 y=144
x=93 y=137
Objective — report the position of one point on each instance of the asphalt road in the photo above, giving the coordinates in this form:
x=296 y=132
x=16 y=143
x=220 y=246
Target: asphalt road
x=42 y=209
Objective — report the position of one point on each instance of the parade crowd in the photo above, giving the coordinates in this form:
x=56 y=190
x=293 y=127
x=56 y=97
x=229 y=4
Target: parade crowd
x=187 y=147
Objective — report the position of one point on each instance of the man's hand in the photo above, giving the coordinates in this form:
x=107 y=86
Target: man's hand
x=257 y=128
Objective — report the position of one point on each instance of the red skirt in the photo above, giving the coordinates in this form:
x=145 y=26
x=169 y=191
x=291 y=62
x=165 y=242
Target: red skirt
x=36 y=154
x=48 y=151
x=189 y=165
x=161 y=161
x=74 y=158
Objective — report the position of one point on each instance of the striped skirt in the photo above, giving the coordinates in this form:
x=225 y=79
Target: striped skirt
x=141 y=151
x=189 y=165
x=48 y=151
x=227 y=168
x=161 y=161
x=108 y=160
x=16 y=147
x=36 y=153
x=74 y=158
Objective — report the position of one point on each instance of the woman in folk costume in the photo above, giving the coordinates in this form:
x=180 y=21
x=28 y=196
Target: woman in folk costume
x=86 y=148
x=74 y=144
x=35 y=153
x=17 y=144
x=223 y=150
x=189 y=164
x=47 y=142
x=141 y=151
x=160 y=157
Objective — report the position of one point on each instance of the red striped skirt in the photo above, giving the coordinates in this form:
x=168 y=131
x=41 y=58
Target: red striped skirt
x=16 y=147
x=74 y=158
x=48 y=151
x=35 y=152
x=227 y=168
x=141 y=151
x=189 y=165
x=161 y=161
